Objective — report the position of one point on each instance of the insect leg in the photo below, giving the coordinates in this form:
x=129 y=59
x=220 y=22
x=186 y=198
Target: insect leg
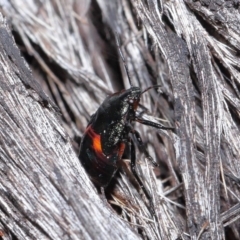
x=152 y=124
x=133 y=168
x=141 y=146
x=104 y=199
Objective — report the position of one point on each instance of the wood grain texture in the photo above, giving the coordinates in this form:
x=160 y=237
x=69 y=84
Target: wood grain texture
x=189 y=47
x=44 y=193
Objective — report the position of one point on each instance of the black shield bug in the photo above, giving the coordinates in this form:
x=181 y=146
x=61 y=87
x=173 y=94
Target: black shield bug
x=109 y=130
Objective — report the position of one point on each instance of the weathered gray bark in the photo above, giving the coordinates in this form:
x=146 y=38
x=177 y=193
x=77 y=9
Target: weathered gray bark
x=189 y=47
x=44 y=193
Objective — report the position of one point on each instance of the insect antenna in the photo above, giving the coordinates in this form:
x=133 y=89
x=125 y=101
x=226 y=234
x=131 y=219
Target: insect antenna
x=123 y=59
x=148 y=88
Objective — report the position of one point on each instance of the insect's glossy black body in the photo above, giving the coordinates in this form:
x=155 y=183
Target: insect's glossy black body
x=107 y=134
x=111 y=126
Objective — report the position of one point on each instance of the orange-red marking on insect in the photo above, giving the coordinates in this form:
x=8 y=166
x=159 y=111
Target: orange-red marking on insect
x=97 y=143
x=121 y=150
x=135 y=104
x=96 y=139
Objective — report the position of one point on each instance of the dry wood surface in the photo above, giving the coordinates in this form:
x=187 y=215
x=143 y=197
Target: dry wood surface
x=58 y=62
